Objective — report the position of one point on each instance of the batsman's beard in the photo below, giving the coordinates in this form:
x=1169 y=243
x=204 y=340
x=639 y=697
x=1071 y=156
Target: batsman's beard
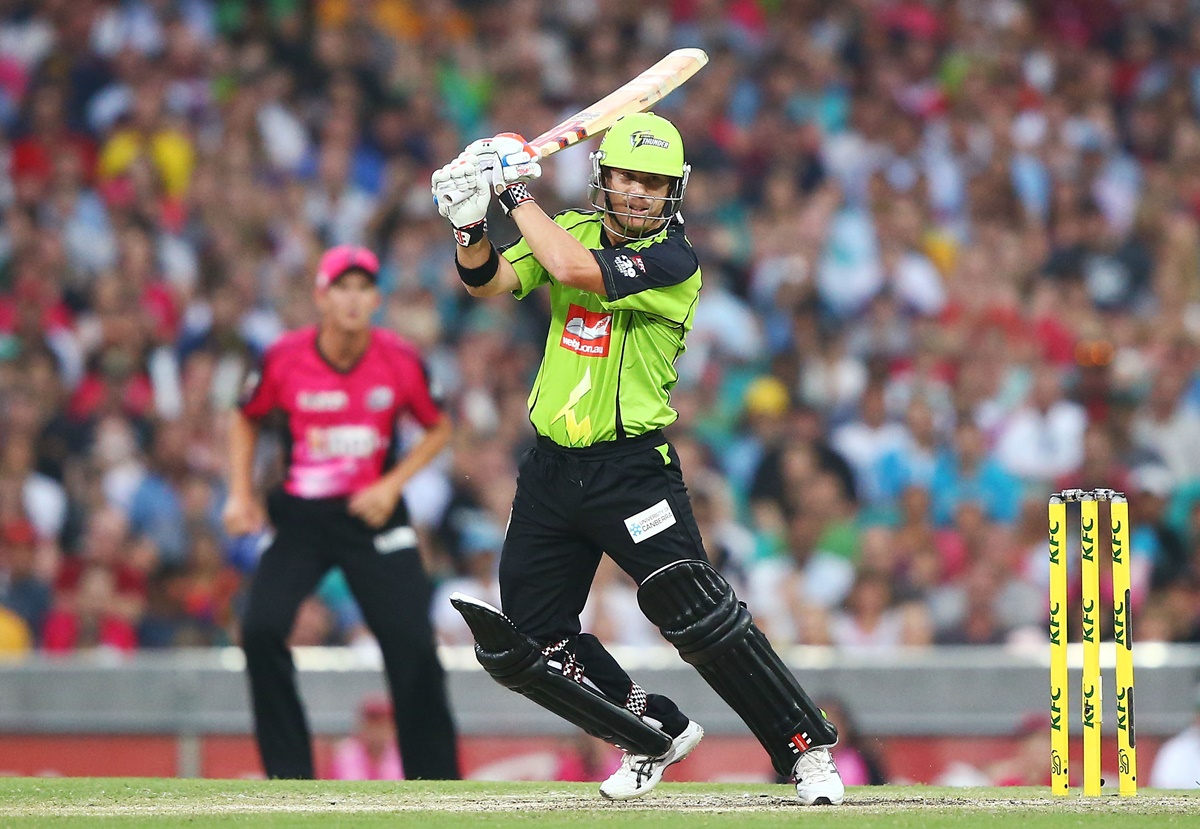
x=626 y=224
x=630 y=224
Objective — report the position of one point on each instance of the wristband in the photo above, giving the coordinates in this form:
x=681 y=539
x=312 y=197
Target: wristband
x=471 y=234
x=512 y=197
x=482 y=275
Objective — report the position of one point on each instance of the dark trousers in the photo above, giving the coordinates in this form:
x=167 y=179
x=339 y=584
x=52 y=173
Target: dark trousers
x=393 y=591
x=572 y=506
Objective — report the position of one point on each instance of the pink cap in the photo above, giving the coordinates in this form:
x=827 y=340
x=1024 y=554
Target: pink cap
x=336 y=261
x=1033 y=722
x=375 y=706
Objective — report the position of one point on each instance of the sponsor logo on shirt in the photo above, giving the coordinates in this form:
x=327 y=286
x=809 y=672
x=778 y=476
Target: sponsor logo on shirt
x=397 y=538
x=629 y=266
x=587 y=332
x=650 y=522
x=322 y=401
x=380 y=398
x=342 y=442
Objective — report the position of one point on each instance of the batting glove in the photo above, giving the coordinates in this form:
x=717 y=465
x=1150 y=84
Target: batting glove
x=507 y=161
x=460 y=192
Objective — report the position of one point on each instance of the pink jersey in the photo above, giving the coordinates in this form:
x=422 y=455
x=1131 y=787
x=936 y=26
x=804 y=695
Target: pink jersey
x=340 y=424
x=351 y=761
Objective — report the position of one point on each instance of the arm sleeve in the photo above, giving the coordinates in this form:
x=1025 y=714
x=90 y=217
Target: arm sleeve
x=646 y=279
x=260 y=390
x=529 y=270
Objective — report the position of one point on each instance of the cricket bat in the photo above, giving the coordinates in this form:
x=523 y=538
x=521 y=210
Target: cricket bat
x=638 y=95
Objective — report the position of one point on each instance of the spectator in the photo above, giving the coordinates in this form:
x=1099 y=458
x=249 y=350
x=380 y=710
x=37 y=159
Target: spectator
x=974 y=619
x=612 y=611
x=208 y=587
x=23 y=590
x=1043 y=439
x=872 y=620
x=47 y=138
x=477 y=563
x=857 y=754
x=584 y=759
x=370 y=753
x=831 y=379
x=149 y=137
x=965 y=472
x=164 y=623
x=1166 y=426
x=730 y=544
x=107 y=546
x=992 y=212
x=1101 y=466
x=783 y=462
x=911 y=463
x=155 y=508
x=919 y=555
x=1157 y=552
x=795 y=588
x=15 y=637
x=42 y=497
x=1027 y=766
x=337 y=209
x=866 y=441
x=90 y=617
x=765 y=406
x=1177 y=764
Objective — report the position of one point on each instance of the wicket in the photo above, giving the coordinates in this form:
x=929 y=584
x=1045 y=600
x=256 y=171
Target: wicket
x=1092 y=709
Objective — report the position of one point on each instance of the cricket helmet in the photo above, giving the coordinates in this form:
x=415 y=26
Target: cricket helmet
x=646 y=143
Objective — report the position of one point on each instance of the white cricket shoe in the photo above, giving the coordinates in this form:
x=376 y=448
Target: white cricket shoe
x=817 y=780
x=640 y=773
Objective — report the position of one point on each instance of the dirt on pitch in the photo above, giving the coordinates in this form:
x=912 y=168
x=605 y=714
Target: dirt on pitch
x=130 y=804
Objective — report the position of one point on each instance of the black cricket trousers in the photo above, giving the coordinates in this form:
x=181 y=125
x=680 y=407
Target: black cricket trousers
x=393 y=591
x=625 y=498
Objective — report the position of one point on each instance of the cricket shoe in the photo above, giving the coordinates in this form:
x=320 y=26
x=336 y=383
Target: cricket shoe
x=817 y=780
x=640 y=773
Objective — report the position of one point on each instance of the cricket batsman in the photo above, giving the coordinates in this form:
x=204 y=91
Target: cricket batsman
x=624 y=282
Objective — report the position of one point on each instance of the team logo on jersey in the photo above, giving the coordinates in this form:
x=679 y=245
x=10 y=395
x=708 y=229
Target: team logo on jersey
x=380 y=398
x=322 y=401
x=587 y=332
x=629 y=266
x=642 y=138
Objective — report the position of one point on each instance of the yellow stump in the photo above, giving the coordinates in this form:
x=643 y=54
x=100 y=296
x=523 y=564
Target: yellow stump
x=1089 y=518
x=1123 y=634
x=1060 y=731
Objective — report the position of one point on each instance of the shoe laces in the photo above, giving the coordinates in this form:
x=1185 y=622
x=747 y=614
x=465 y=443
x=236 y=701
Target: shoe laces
x=640 y=765
x=815 y=766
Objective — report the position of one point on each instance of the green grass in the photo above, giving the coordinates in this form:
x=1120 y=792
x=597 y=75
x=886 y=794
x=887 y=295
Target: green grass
x=110 y=802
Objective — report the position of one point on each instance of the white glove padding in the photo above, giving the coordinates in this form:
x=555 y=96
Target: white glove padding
x=506 y=159
x=461 y=191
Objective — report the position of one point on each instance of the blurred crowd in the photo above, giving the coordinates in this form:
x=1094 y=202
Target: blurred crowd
x=950 y=251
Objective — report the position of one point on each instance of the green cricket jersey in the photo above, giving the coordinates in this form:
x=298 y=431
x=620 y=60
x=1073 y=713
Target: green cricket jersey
x=609 y=364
